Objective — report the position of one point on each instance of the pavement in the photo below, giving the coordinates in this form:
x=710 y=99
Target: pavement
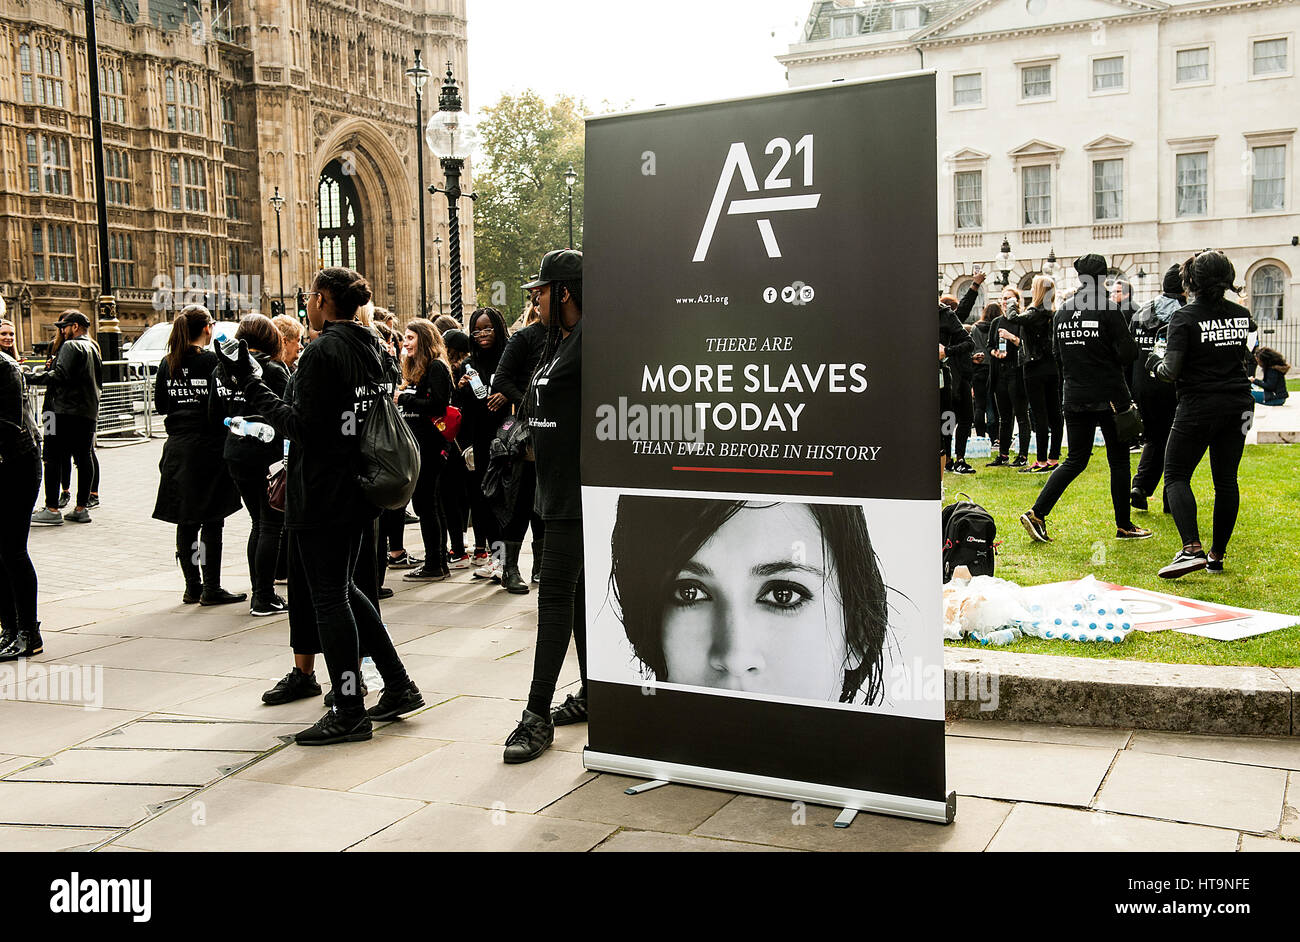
x=181 y=755
x=1276 y=425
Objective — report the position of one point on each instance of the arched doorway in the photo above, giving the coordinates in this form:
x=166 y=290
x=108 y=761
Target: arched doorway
x=339 y=224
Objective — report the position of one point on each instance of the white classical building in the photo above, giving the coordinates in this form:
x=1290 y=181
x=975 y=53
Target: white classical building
x=1139 y=129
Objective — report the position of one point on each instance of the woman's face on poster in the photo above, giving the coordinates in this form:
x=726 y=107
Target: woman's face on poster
x=757 y=609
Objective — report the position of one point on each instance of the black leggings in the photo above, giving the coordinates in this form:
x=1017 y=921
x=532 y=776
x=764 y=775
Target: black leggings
x=454 y=497
x=561 y=612
x=200 y=555
x=73 y=437
x=19 y=475
x=986 y=407
x=1157 y=418
x=964 y=407
x=428 y=507
x=1221 y=427
x=264 y=535
x=1009 y=392
x=517 y=527
x=304 y=637
x=1082 y=429
x=65 y=476
x=487 y=532
x=346 y=619
x=1043 y=390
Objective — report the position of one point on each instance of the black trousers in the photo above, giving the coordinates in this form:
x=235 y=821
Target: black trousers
x=455 y=499
x=1043 y=390
x=1220 y=427
x=487 y=532
x=1082 y=429
x=986 y=406
x=304 y=636
x=524 y=515
x=346 y=620
x=428 y=507
x=1157 y=418
x=19 y=475
x=963 y=407
x=65 y=474
x=198 y=548
x=264 y=535
x=73 y=437
x=561 y=612
x=1013 y=411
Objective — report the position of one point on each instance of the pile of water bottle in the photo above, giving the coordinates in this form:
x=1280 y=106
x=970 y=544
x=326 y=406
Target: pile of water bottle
x=997 y=612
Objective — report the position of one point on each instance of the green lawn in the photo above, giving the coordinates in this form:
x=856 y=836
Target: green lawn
x=1263 y=562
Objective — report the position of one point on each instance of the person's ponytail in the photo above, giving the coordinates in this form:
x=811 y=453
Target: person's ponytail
x=1209 y=275
x=349 y=290
x=187 y=328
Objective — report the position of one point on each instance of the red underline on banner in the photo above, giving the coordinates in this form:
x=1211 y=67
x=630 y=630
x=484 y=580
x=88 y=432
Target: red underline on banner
x=820 y=474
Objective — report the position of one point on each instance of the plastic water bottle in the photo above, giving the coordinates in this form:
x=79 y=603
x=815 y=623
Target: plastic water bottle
x=246 y=429
x=1001 y=637
x=475 y=383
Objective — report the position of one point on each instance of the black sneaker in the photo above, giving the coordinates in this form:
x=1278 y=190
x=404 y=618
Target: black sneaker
x=92 y=501
x=295 y=685
x=1183 y=563
x=1019 y=461
x=961 y=467
x=1001 y=461
x=64 y=499
x=1133 y=533
x=1214 y=565
x=1136 y=499
x=394 y=704
x=531 y=738
x=426 y=573
x=572 y=710
x=261 y=608
x=385 y=593
x=329 y=697
x=221 y=597
x=411 y=518
x=21 y=644
x=1036 y=526
x=335 y=727
x=405 y=561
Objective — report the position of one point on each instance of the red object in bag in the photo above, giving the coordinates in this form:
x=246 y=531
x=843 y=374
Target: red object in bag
x=449 y=424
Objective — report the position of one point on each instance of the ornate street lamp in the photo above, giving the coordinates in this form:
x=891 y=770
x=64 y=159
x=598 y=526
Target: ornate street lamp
x=419 y=77
x=437 y=251
x=452 y=136
x=1005 y=262
x=570 y=178
x=277 y=203
x=1050 y=267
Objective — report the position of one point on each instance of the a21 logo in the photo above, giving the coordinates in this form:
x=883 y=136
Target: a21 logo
x=764 y=206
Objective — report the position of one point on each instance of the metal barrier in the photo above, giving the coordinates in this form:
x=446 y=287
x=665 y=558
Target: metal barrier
x=125 y=406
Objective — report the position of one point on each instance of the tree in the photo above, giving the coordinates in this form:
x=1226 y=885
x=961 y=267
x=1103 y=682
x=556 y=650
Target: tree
x=522 y=207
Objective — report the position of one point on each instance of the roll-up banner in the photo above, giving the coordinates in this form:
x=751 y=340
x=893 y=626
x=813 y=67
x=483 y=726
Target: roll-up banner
x=760 y=447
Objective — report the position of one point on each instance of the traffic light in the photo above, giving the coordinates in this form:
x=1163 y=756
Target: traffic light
x=277 y=308
x=302 y=305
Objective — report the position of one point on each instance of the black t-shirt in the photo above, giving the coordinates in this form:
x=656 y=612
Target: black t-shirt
x=184 y=396
x=1093 y=347
x=1208 y=341
x=555 y=417
x=425 y=402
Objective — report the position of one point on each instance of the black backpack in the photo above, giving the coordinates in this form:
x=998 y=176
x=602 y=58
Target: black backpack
x=969 y=532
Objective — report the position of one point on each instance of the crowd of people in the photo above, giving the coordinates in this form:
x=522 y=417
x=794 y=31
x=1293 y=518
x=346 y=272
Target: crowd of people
x=273 y=422
x=1172 y=378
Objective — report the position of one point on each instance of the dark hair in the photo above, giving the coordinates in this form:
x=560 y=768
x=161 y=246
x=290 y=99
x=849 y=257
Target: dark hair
x=948 y=301
x=1209 y=275
x=1271 y=359
x=347 y=288
x=499 y=333
x=991 y=311
x=554 y=328
x=654 y=537
x=456 y=340
x=446 y=322
x=186 y=331
x=261 y=333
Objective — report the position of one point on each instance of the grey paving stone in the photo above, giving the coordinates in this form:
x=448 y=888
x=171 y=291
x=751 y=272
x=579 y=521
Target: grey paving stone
x=473 y=774
x=41 y=729
x=641 y=842
x=191 y=625
x=1275 y=753
x=43 y=840
x=242 y=700
x=82 y=805
x=490 y=643
x=1045 y=828
x=1037 y=732
x=675 y=809
x=133 y=767
x=122 y=689
x=62 y=645
x=441 y=827
x=170 y=654
x=1025 y=771
x=152 y=733
x=463 y=719
x=1196 y=791
x=750 y=819
x=339 y=768
x=237 y=815
x=1268 y=844
x=1291 y=808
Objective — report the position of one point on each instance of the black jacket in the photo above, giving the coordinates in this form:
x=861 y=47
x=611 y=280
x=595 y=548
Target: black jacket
x=1003 y=371
x=1035 y=325
x=72 y=384
x=519 y=362
x=958 y=345
x=194 y=485
x=1093 y=347
x=338 y=378
x=20 y=433
x=984 y=338
x=1149 y=324
x=424 y=402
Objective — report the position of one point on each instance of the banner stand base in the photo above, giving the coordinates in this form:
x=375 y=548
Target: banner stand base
x=660 y=773
x=846 y=817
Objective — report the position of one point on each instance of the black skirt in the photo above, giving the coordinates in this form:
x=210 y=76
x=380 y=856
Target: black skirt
x=194 y=484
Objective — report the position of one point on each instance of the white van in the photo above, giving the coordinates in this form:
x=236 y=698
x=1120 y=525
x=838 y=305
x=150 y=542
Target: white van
x=146 y=353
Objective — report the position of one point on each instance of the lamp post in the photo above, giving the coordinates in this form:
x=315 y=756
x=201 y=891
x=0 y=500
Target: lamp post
x=1050 y=266
x=277 y=203
x=451 y=135
x=110 y=334
x=570 y=178
x=419 y=77
x=1005 y=262
x=437 y=251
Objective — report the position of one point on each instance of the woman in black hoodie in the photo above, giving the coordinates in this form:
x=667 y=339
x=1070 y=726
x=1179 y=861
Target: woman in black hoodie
x=20 y=481
x=1042 y=382
x=195 y=490
x=248 y=459
x=481 y=416
x=423 y=398
x=340 y=377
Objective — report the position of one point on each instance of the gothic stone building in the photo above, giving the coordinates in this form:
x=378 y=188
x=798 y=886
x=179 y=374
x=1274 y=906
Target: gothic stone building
x=209 y=106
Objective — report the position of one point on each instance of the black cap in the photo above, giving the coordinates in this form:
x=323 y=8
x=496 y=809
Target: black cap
x=560 y=265
x=73 y=317
x=456 y=340
x=1091 y=264
x=1173 y=283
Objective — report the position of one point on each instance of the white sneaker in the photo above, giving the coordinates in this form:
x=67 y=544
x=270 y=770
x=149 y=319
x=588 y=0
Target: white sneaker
x=491 y=571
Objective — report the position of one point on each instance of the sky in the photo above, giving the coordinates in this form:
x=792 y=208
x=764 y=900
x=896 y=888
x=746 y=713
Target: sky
x=630 y=53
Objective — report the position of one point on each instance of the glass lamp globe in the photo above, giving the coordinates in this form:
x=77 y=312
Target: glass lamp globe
x=451 y=134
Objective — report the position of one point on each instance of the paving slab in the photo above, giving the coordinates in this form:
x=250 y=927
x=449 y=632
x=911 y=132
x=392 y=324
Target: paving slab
x=671 y=808
x=1045 y=828
x=442 y=827
x=170 y=654
x=123 y=689
x=1291 y=807
x=28 y=728
x=82 y=805
x=1268 y=844
x=1039 y=732
x=190 y=625
x=151 y=733
x=1050 y=773
x=750 y=819
x=473 y=774
x=61 y=645
x=339 y=768
x=1277 y=753
x=462 y=719
x=44 y=840
x=501 y=678
x=451 y=614
x=1196 y=791
x=242 y=700
x=11 y=763
x=489 y=643
x=237 y=815
x=133 y=767
x=652 y=842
